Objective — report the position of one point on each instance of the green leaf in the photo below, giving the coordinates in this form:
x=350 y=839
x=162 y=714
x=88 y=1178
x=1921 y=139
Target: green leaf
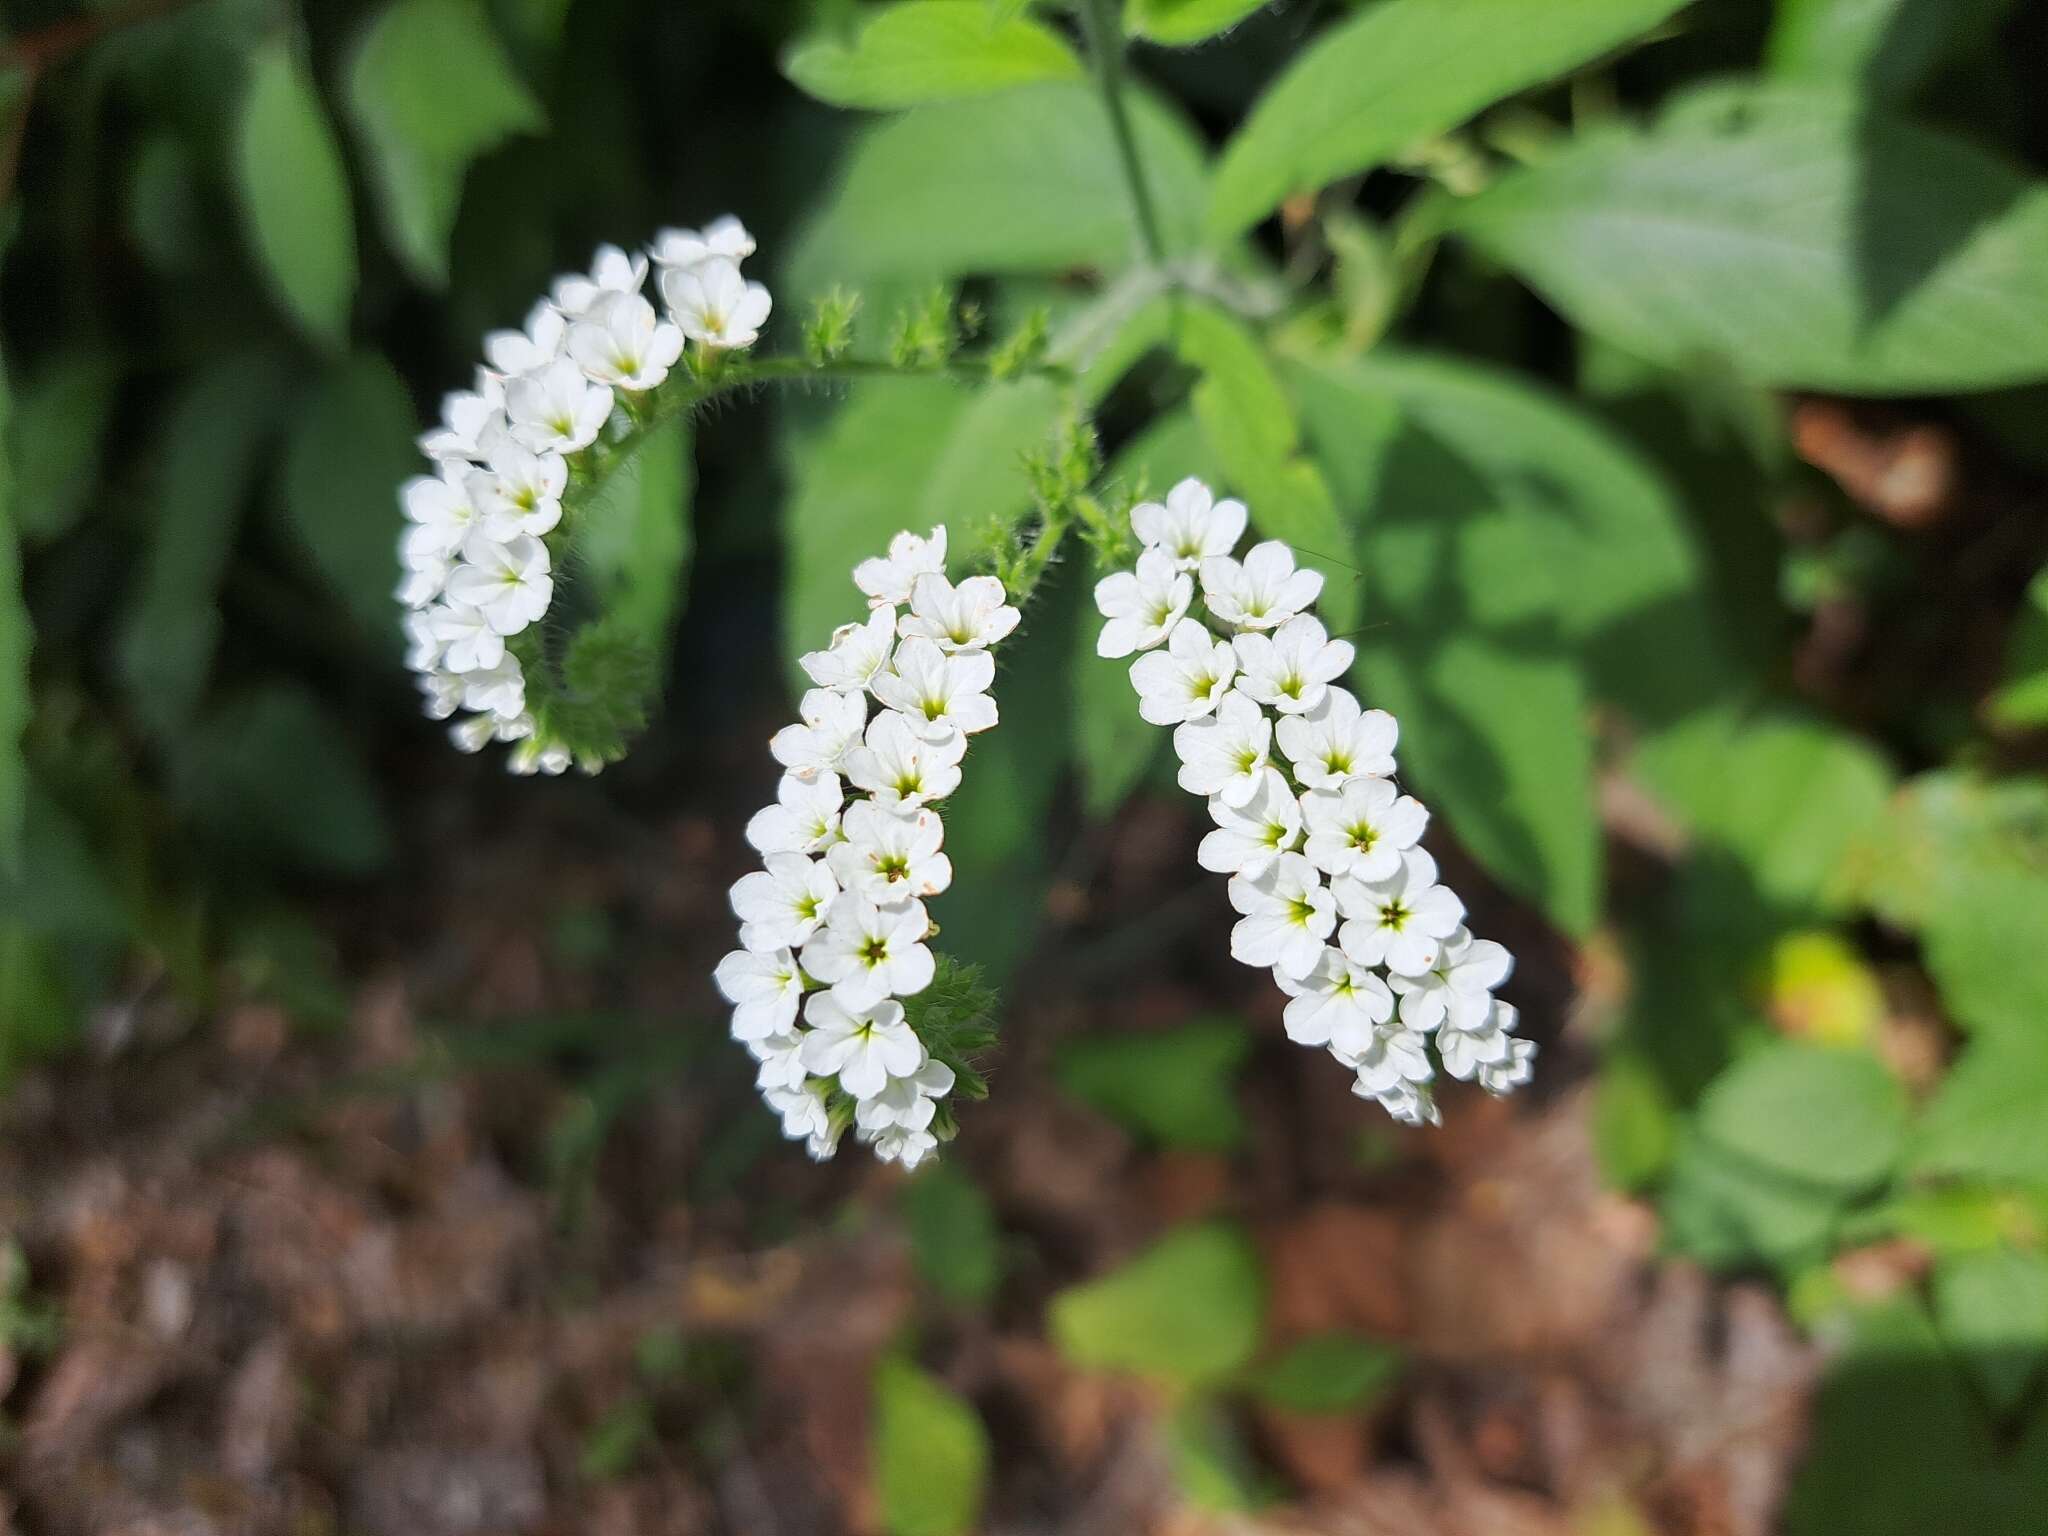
x=931 y=1454
x=1328 y=1373
x=1726 y=1211
x=294 y=193
x=1399 y=72
x=430 y=90
x=1829 y=1117
x=919 y=51
x=952 y=1234
x=54 y=435
x=1188 y=1311
x=1992 y=1309
x=1634 y=1125
x=2021 y=702
x=1183 y=23
x=16 y=641
x=1798 y=235
x=1178 y=1088
x=1213 y=1468
x=349 y=450
x=1022 y=182
x=634 y=536
x=1985 y=1121
x=1884 y=48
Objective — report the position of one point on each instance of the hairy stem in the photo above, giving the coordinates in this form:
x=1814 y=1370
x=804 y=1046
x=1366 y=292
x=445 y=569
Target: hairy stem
x=1104 y=30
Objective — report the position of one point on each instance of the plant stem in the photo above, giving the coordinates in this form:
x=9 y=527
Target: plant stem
x=1104 y=31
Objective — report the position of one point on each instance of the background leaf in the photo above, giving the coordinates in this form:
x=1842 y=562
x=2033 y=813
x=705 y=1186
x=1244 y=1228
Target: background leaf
x=1992 y=1309
x=294 y=193
x=636 y=537
x=54 y=434
x=1188 y=1311
x=1884 y=48
x=952 y=1233
x=1178 y=1087
x=1830 y=1117
x=1328 y=1373
x=931 y=1454
x=919 y=51
x=1183 y=23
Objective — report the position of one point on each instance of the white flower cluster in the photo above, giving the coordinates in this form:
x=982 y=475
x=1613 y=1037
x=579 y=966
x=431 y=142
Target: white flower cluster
x=1323 y=852
x=834 y=925
x=476 y=548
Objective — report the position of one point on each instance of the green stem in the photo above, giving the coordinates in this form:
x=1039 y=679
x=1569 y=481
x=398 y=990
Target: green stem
x=1104 y=31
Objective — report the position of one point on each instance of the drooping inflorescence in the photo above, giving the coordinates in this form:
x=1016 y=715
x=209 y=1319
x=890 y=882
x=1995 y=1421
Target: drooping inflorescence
x=833 y=926
x=1333 y=889
x=486 y=528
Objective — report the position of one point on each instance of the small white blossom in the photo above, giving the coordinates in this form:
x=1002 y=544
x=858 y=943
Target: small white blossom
x=782 y=905
x=1401 y=921
x=423 y=649
x=472 y=421
x=1141 y=606
x=1337 y=1004
x=1458 y=989
x=804 y=1116
x=509 y=582
x=969 y=617
x=938 y=693
x=1506 y=1076
x=1184 y=681
x=867 y=952
x=426 y=568
x=557 y=408
x=1262 y=592
x=899 y=1144
x=857 y=653
x=498 y=691
x=1410 y=1103
x=899 y=765
x=1191 y=526
x=907 y=1102
x=889 y=853
x=619 y=341
x=1287 y=915
x=1292 y=668
x=765 y=990
x=1249 y=837
x=888 y=580
x=804 y=817
x=1392 y=1055
x=1337 y=741
x=782 y=1061
x=1361 y=829
x=442 y=692
x=534 y=755
x=520 y=492
x=612 y=271
x=714 y=304
x=441 y=510
x=724 y=237
x=1225 y=754
x=864 y=1046
x=469 y=641
x=534 y=346
x=829 y=724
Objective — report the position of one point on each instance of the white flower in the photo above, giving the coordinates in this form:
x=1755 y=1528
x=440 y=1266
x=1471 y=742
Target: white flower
x=611 y=271
x=856 y=654
x=1337 y=740
x=1392 y=1055
x=724 y=237
x=521 y=492
x=1506 y=1076
x=1225 y=754
x=468 y=640
x=888 y=580
x=1292 y=668
x=1337 y=1004
x=899 y=765
x=472 y=421
x=1263 y=592
x=499 y=690
x=863 y=1046
x=867 y=952
x=829 y=724
x=1458 y=989
x=619 y=341
x=906 y=1102
x=890 y=853
x=535 y=346
x=1192 y=526
x=1287 y=914
x=782 y=905
x=1409 y=1103
x=803 y=1112
x=782 y=1061
x=426 y=568
x=714 y=304
x=1361 y=829
x=509 y=581
x=533 y=755
x=1249 y=837
x=1142 y=606
x=441 y=510
x=443 y=693
x=557 y=408
x=1489 y=1052
x=968 y=617
x=422 y=647
x=804 y=818
x=765 y=990
x=941 y=695
x=899 y=1144
x=1401 y=921
x=1184 y=681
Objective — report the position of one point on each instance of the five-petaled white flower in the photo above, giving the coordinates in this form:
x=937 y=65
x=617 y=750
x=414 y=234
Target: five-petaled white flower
x=829 y=725
x=1498 y=1077
x=782 y=905
x=472 y=421
x=441 y=509
x=520 y=492
x=1361 y=829
x=938 y=693
x=899 y=765
x=863 y=1045
x=1262 y=592
x=781 y=1058
x=1287 y=915
x=724 y=237
x=888 y=579
x=469 y=642
x=508 y=581
x=1394 y=1056
x=1409 y=1103
x=805 y=1116
x=900 y=1144
x=908 y=1101
x=1184 y=681
x=557 y=408
x=535 y=345
x=889 y=853
x=1337 y=1004
x=1292 y=668
x=1400 y=921
x=1191 y=526
x=1468 y=1053
x=611 y=271
x=867 y=952
x=804 y=817
x=765 y=990
x=969 y=617
x=1458 y=990
x=1225 y=753
x=619 y=341
x=856 y=654
x=498 y=691
x=1249 y=837
x=1141 y=606
x=1337 y=740
x=714 y=304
